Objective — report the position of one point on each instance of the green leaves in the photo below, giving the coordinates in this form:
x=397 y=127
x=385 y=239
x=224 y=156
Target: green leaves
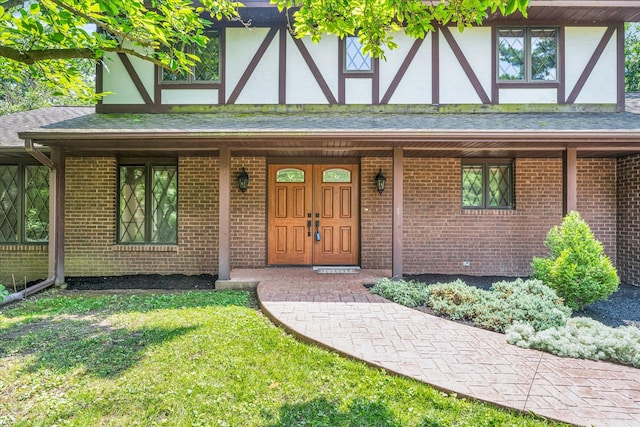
x=374 y=21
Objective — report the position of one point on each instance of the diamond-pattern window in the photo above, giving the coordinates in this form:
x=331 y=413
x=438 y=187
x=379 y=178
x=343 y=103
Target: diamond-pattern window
x=207 y=70
x=355 y=59
x=24 y=203
x=36 y=204
x=527 y=54
x=148 y=204
x=487 y=186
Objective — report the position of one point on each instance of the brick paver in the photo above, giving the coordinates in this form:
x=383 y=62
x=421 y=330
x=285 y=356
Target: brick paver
x=336 y=311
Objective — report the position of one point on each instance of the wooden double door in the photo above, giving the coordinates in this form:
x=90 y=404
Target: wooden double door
x=313 y=214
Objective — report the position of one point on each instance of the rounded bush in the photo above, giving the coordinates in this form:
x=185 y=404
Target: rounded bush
x=577 y=267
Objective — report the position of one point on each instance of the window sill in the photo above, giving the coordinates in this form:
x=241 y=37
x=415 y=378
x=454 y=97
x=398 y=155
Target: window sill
x=145 y=248
x=21 y=247
x=489 y=212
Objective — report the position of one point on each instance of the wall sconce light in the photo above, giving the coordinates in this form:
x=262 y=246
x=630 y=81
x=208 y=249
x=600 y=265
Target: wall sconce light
x=380 y=181
x=243 y=180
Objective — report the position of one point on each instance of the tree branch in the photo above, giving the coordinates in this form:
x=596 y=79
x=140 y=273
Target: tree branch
x=34 y=56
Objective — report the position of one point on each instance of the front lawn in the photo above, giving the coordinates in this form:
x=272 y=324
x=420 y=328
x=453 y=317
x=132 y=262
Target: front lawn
x=197 y=358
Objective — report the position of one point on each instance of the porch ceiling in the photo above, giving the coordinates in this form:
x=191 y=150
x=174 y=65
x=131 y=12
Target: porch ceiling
x=347 y=134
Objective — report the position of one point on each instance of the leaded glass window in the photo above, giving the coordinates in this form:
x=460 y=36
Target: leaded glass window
x=290 y=175
x=24 y=203
x=487 y=186
x=207 y=70
x=336 y=175
x=148 y=204
x=527 y=54
x=355 y=59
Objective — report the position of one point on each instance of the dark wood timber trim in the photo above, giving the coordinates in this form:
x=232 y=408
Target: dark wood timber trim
x=224 y=207
x=471 y=75
x=282 y=66
x=401 y=71
x=620 y=61
x=528 y=85
x=99 y=83
x=435 y=66
x=326 y=90
x=135 y=78
x=375 y=82
x=495 y=89
x=57 y=215
x=157 y=91
x=252 y=66
x=562 y=66
x=586 y=73
x=341 y=79
x=570 y=180
x=398 y=214
x=222 y=37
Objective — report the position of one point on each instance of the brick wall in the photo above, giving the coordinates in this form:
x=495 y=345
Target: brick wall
x=248 y=214
x=23 y=263
x=91 y=222
x=597 y=200
x=375 y=214
x=628 y=216
x=439 y=236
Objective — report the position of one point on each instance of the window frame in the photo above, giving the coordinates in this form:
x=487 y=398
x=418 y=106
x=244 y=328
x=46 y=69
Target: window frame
x=345 y=58
x=191 y=81
x=527 y=80
x=149 y=167
x=22 y=203
x=486 y=164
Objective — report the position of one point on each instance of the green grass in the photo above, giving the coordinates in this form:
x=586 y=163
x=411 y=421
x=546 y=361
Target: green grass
x=197 y=358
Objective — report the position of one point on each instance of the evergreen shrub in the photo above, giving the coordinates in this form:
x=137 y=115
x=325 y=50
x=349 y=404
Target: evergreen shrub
x=409 y=294
x=577 y=267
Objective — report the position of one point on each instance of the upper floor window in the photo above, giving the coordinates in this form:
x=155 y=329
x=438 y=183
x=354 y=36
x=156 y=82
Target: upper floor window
x=148 y=204
x=207 y=70
x=24 y=203
x=487 y=185
x=527 y=54
x=355 y=59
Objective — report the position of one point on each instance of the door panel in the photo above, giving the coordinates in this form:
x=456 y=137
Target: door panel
x=327 y=199
x=289 y=240
x=337 y=202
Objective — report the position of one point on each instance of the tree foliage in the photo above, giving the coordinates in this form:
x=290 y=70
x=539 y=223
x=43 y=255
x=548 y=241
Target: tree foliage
x=39 y=37
x=632 y=57
x=375 y=21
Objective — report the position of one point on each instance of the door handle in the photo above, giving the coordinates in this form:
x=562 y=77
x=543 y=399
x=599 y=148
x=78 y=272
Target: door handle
x=317 y=230
x=309 y=228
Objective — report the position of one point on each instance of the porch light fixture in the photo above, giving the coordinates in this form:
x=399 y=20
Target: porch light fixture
x=243 y=180
x=380 y=181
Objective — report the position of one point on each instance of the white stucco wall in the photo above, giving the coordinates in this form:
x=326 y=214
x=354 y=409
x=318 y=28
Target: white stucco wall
x=528 y=96
x=117 y=80
x=601 y=86
x=455 y=86
x=189 y=96
x=302 y=87
x=415 y=86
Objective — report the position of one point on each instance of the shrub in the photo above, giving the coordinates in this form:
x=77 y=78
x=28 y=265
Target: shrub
x=577 y=267
x=582 y=338
x=529 y=301
x=456 y=300
x=410 y=294
x=3 y=291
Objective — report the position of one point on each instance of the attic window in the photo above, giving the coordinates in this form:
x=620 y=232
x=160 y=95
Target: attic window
x=527 y=54
x=355 y=60
x=207 y=70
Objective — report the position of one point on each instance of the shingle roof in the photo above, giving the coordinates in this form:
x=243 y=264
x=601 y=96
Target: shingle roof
x=11 y=124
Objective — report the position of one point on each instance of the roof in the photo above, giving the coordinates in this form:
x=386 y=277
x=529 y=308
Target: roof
x=11 y=124
x=339 y=133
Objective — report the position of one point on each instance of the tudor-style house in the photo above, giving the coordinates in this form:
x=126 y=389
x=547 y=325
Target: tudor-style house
x=454 y=155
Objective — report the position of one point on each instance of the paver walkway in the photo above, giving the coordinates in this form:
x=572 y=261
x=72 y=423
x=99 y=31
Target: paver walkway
x=337 y=312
